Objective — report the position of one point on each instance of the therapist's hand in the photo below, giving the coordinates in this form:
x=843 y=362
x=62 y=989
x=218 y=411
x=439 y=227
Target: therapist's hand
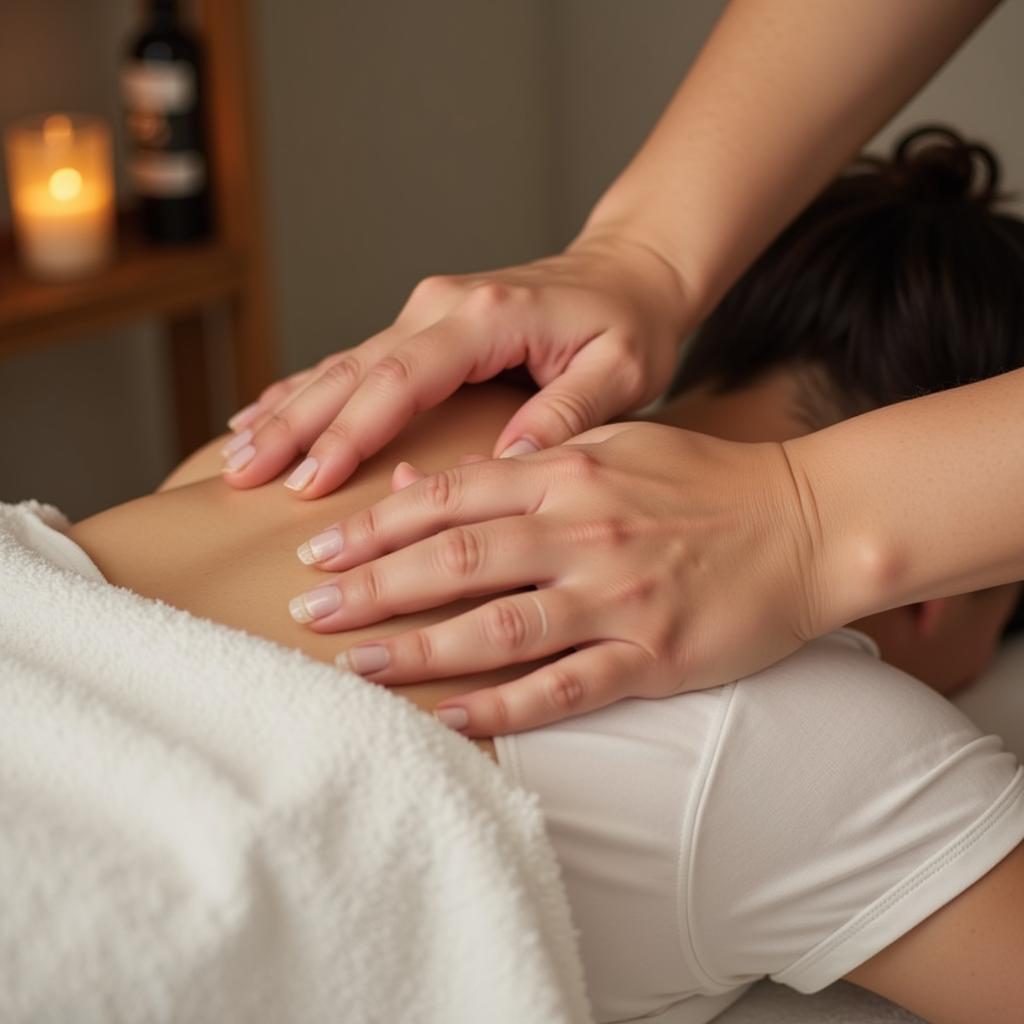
x=662 y=560
x=598 y=327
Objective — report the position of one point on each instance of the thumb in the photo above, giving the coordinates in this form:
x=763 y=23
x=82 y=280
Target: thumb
x=592 y=389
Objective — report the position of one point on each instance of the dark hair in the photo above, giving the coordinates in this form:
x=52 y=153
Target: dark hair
x=902 y=278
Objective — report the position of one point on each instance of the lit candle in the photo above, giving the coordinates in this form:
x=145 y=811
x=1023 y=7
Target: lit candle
x=62 y=194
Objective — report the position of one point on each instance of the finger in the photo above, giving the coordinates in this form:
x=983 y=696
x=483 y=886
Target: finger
x=278 y=392
x=457 y=495
x=287 y=429
x=466 y=561
x=581 y=681
x=404 y=474
x=467 y=460
x=416 y=375
x=270 y=397
x=602 y=380
x=508 y=630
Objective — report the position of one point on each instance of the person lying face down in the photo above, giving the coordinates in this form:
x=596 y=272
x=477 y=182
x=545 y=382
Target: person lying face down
x=829 y=817
x=901 y=279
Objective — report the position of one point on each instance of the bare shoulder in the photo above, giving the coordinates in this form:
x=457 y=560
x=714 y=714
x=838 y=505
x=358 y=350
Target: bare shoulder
x=962 y=965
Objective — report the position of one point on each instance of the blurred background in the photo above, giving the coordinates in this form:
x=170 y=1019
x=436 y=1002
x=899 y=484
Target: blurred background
x=386 y=141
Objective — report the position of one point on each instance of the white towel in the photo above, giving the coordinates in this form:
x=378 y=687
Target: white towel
x=199 y=825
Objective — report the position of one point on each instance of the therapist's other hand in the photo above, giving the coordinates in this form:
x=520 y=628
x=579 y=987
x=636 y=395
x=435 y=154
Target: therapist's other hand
x=598 y=327
x=662 y=561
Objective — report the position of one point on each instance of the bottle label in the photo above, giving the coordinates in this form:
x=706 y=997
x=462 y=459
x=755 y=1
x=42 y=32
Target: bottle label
x=158 y=87
x=164 y=175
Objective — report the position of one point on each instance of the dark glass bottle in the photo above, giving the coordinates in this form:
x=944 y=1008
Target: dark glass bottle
x=161 y=87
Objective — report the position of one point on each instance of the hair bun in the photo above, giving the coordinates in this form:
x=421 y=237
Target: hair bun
x=936 y=165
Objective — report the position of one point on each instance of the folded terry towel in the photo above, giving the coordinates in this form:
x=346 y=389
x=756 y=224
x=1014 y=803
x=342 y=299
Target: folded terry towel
x=199 y=825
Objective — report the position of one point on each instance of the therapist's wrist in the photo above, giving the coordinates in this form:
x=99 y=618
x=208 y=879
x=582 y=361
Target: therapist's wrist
x=644 y=252
x=854 y=566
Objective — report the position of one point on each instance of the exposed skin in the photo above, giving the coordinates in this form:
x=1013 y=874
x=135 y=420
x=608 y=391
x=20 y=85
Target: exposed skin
x=230 y=556
x=946 y=642
x=781 y=96
x=783 y=93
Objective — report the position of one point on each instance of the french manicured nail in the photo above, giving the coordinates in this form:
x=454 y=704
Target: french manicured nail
x=315 y=604
x=238 y=441
x=322 y=546
x=239 y=460
x=304 y=472
x=524 y=446
x=454 y=718
x=370 y=658
x=244 y=417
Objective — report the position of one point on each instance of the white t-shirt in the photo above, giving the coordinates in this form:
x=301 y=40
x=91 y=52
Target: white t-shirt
x=791 y=825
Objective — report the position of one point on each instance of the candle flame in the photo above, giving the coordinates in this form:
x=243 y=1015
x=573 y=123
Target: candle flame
x=57 y=130
x=65 y=184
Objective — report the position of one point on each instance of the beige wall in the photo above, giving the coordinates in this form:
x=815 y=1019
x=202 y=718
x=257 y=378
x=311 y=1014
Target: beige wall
x=401 y=138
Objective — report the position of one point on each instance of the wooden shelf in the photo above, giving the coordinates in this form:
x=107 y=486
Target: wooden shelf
x=176 y=285
x=145 y=280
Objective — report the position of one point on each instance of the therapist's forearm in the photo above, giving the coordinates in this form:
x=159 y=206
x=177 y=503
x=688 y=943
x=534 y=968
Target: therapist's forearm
x=917 y=500
x=782 y=95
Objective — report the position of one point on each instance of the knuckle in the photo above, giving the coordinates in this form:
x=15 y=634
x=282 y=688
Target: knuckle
x=368 y=528
x=460 y=553
x=337 y=433
x=636 y=589
x=610 y=532
x=420 y=647
x=578 y=463
x=565 y=691
x=371 y=583
x=505 y=626
x=500 y=714
x=439 y=491
x=342 y=374
x=278 y=423
x=393 y=371
x=574 y=412
x=488 y=296
x=435 y=286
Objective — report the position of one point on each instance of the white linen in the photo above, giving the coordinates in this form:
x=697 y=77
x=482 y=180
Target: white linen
x=198 y=825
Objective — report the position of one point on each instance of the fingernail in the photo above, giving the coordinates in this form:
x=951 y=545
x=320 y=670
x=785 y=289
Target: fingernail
x=524 y=446
x=244 y=417
x=238 y=441
x=371 y=658
x=315 y=604
x=454 y=718
x=322 y=546
x=239 y=460
x=304 y=472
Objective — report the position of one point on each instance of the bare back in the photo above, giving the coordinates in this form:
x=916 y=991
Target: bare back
x=229 y=555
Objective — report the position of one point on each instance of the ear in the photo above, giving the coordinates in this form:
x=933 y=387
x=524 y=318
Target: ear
x=930 y=616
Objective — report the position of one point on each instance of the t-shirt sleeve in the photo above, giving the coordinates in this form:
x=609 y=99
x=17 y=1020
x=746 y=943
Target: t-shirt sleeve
x=846 y=802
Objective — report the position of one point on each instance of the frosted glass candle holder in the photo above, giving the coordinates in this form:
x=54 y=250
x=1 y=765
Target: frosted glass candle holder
x=60 y=176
